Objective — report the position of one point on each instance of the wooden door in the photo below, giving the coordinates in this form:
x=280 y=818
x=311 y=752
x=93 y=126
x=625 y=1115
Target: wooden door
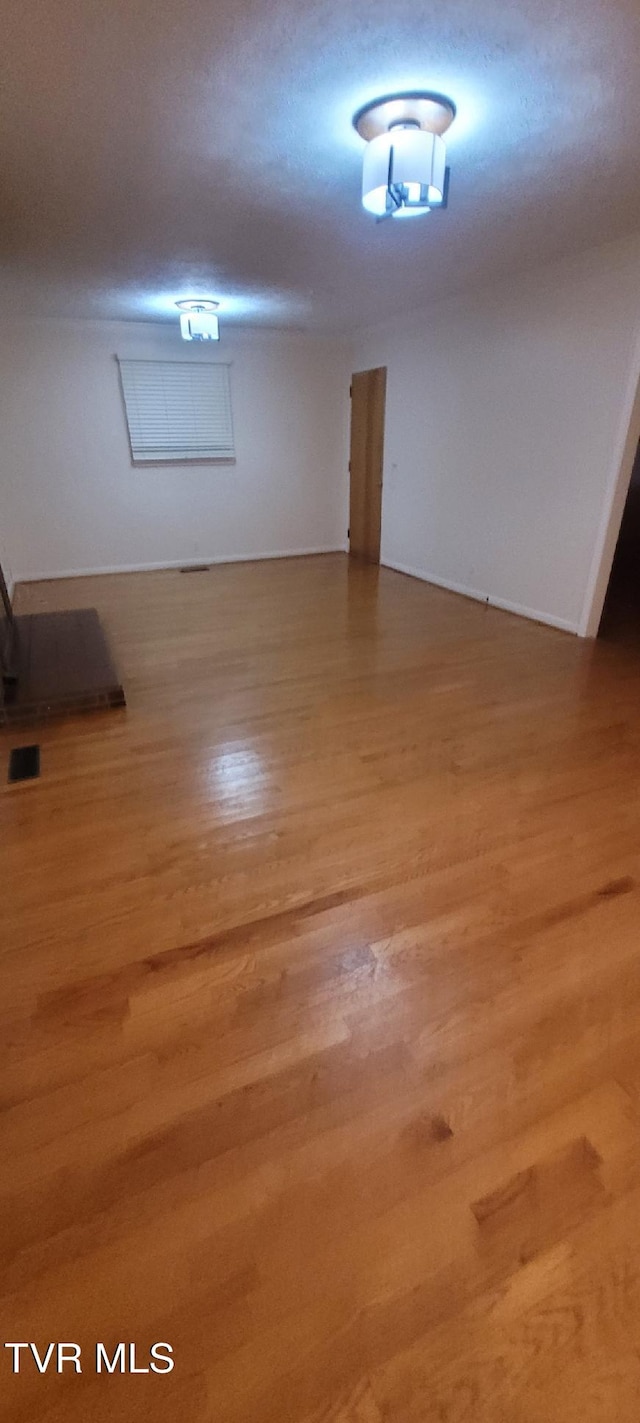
x=368 y=390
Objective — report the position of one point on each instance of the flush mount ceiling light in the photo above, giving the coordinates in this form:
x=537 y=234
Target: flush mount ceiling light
x=404 y=171
x=198 y=321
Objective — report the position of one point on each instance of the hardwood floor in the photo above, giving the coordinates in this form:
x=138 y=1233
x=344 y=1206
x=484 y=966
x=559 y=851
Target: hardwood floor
x=320 y=1003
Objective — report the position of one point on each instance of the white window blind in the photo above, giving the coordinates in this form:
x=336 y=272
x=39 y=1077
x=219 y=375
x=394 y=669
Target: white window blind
x=178 y=410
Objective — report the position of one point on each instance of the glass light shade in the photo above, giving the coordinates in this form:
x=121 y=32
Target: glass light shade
x=409 y=161
x=199 y=326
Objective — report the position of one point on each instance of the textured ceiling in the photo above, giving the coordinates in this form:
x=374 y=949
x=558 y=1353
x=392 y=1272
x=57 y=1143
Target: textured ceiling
x=150 y=149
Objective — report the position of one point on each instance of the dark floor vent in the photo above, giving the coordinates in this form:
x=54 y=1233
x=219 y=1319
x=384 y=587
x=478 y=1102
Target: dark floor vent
x=196 y=568
x=24 y=763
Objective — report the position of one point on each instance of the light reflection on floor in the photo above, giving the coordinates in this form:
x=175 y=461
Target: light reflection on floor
x=237 y=773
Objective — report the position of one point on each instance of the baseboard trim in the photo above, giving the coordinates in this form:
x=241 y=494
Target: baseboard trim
x=109 y=569
x=503 y=604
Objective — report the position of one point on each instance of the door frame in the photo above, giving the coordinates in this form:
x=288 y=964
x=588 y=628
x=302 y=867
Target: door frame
x=615 y=498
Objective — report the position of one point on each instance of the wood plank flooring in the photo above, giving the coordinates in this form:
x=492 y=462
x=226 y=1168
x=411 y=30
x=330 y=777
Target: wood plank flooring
x=320 y=1010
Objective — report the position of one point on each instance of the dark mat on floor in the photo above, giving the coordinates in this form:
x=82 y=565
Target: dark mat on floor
x=61 y=664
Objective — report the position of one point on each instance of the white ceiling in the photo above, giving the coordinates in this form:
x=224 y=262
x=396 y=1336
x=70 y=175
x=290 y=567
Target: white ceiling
x=152 y=149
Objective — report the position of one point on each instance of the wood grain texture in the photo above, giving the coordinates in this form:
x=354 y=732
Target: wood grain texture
x=320 y=1001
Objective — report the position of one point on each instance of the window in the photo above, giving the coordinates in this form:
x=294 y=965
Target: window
x=177 y=410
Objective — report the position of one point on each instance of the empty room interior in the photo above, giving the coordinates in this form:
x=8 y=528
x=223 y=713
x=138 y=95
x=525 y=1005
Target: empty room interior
x=319 y=712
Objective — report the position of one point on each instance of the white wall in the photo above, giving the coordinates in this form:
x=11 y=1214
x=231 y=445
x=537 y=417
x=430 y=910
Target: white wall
x=70 y=500
x=506 y=414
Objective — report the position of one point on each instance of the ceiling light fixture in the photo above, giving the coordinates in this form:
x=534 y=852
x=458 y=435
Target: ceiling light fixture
x=198 y=321
x=404 y=171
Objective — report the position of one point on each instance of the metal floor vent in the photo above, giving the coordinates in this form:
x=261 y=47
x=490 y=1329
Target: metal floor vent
x=196 y=568
x=24 y=763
